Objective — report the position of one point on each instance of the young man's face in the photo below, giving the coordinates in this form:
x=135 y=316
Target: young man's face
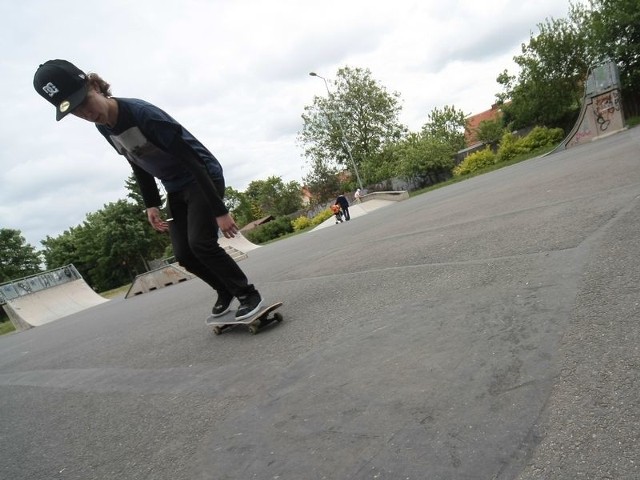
x=94 y=109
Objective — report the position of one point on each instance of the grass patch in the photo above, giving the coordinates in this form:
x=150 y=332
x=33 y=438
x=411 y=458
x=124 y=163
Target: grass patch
x=288 y=235
x=633 y=121
x=5 y=324
x=116 y=292
x=6 y=327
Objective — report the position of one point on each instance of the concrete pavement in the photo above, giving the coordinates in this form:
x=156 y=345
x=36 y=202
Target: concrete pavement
x=485 y=330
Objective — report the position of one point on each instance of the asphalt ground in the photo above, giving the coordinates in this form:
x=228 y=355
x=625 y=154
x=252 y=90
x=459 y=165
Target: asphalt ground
x=485 y=330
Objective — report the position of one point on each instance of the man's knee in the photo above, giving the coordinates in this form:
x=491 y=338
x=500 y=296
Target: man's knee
x=187 y=260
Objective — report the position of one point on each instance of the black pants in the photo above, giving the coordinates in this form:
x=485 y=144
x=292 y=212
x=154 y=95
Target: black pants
x=194 y=235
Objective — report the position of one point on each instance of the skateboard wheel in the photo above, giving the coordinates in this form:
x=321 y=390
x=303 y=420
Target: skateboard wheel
x=217 y=330
x=253 y=329
x=278 y=317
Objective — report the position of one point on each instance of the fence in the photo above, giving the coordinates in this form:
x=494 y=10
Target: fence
x=40 y=281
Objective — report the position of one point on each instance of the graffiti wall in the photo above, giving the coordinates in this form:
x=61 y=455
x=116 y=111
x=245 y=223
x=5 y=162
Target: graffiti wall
x=40 y=281
x=601 y=112
x=601 y=115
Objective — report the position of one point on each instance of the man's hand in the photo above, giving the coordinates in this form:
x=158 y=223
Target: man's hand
x=227 y=225
x=156 y=221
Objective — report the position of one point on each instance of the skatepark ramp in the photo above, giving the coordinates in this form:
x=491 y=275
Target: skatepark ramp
x=158 y=278
x=171 y=274
x=237 y=246
x=392 y=195
x=601 y=113
x=38 y=299
x=236 y=254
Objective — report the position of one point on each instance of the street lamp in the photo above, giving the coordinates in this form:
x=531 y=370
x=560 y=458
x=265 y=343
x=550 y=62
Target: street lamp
x=344 y=138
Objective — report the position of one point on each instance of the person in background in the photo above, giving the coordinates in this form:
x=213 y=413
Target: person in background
x=358 y=196
x=158 y=146
x=337 y=213
x=343 y=203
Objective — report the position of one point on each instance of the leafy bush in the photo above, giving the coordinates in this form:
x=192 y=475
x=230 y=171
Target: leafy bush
x=269 y=231
x=300 y=223
x=321 y=217
x=509 y=148
x=283 y=225
x=490 y=131
x=540 y=137
x=474 y=162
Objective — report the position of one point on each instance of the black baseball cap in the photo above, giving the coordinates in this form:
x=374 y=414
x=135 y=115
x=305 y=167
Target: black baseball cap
x=62 y=84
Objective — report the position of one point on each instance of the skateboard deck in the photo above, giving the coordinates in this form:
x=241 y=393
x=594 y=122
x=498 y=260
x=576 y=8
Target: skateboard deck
x=254 y=323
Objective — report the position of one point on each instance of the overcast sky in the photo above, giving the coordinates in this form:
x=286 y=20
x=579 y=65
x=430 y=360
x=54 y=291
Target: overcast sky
x=234 y=73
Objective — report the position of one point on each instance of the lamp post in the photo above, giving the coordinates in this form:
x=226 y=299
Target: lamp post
x=344 y=138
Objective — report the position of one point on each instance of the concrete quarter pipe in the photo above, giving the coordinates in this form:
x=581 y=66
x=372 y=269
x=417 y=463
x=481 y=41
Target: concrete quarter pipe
x=50 y=304
x=601 y=113
x=41 y=298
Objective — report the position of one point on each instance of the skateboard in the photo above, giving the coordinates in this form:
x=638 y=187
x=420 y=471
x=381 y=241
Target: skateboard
x=254 y=323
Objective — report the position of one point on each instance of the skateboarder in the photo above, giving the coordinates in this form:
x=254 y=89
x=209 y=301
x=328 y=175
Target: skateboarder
x=156 y=145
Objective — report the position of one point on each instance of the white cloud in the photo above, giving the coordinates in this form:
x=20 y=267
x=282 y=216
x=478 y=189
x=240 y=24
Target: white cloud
x=235 y=74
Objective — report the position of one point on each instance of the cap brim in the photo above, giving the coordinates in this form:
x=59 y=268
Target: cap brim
x=75 y=99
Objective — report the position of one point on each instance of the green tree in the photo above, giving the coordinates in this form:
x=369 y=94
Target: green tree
x=62 y=250
x=112 y=245
x=490 y=131
x=555 y=63
x=240 y=207
x=614 y=33
x=322 y=180
x=274 y=197
x=381 y=167
x=289 y=198
x=133 y=191
x=17 y=257
x=109 y=248
x=446 y=126
x=423 y=158
x=232 y=198
x=358 y=117
x=122 y=244
x=553 y=68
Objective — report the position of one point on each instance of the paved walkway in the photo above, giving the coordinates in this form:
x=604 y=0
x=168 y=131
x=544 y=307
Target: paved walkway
x=357 y=210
